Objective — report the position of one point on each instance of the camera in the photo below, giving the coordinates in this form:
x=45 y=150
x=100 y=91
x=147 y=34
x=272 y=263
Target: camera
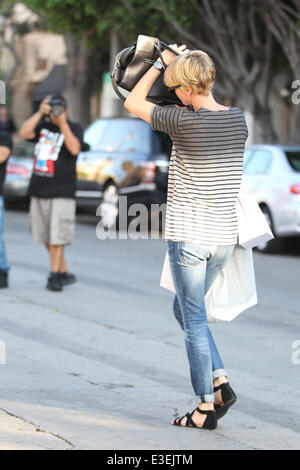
x=58 y=106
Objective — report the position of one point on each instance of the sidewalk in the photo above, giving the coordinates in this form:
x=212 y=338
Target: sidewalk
x=103 y=365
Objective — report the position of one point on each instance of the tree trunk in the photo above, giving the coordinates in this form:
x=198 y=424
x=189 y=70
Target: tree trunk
x=263 y=125
x=246 y=104
x=78 y=91
x=295 y=134
x=262 y=112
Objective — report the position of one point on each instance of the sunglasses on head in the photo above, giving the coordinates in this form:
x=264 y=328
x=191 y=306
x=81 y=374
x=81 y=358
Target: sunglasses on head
x=172 y=88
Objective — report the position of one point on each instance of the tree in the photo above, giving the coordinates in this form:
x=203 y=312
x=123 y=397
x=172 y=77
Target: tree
x=10 y=27
x=234 y=35
x=86 y=25
x=76 y=20
x=283 y=20
x=7 y=40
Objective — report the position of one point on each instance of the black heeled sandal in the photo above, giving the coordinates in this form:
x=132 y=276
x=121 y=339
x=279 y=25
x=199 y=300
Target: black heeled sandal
x=209 y=423
x=228 y=398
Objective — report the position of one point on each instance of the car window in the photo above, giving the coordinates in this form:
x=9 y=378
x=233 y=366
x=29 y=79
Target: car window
x=119 y=135
x=247 y=154
x=94 y=132
x=23 y=150
x=293 y=159
x=258 y=162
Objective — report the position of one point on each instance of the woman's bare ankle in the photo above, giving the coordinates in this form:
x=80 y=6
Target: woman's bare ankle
x=206 y=406
x=220 y=380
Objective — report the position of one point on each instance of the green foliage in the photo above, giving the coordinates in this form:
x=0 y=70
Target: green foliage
x=5 y=5
x=95 y=18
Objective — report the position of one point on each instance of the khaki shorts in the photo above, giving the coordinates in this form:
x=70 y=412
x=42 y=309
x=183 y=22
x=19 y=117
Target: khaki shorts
x=52 y=221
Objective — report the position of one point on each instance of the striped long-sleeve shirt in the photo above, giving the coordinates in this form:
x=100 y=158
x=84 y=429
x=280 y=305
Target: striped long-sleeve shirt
x=205 y=172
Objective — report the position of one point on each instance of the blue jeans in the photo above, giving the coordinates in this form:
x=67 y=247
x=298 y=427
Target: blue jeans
x=194 y=268
x=3 y=261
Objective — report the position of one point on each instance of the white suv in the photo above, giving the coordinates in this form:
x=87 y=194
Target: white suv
x=272 y=175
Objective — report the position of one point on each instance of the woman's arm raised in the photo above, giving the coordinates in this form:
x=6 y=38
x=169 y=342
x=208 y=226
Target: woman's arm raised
x=136 y=101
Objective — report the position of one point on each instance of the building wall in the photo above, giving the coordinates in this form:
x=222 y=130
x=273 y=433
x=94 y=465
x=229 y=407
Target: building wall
x=39 y=52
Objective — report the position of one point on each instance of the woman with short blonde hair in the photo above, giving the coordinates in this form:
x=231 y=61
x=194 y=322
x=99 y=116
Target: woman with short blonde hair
x=194 y=69
x=201 y=221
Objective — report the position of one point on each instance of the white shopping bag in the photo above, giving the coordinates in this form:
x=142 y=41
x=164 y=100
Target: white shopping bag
x=253 y=228
x=233 y=291
x=166 y=280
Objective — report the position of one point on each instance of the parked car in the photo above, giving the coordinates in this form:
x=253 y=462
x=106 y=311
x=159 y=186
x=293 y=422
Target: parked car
x=126 y=157
x=272 y=176
x=123 y=156
x=18 y=173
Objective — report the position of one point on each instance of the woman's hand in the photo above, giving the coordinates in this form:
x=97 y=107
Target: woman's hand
x=168 y=56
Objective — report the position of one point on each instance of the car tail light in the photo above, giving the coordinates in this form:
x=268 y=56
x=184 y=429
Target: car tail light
x=149 y=172
x=295 y=189
x=12 y=169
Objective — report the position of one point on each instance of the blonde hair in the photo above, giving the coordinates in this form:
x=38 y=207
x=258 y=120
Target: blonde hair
x=194 y=69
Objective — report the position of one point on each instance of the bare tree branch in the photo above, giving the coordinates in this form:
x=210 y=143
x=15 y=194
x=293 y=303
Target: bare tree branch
x=185 y=34
x=285 y=30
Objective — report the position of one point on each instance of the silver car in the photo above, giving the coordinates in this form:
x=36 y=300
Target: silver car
x=18 y=172
x=272 y=176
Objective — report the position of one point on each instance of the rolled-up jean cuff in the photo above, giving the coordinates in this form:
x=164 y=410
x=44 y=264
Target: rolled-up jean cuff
x=218 y=373
x=205 y=398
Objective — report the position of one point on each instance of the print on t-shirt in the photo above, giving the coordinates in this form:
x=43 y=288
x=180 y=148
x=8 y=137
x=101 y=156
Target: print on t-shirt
x=46 y=152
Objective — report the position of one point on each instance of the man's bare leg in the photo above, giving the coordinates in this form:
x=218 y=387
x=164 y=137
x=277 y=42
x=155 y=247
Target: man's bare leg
x=63 y=265
x=57 y=259
x=56 y=253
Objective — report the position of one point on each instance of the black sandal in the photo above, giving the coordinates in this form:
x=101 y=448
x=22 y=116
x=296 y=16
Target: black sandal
x=209 y=423
x=228 y=398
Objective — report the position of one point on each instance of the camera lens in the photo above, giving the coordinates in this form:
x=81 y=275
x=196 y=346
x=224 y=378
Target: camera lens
x=57 y=110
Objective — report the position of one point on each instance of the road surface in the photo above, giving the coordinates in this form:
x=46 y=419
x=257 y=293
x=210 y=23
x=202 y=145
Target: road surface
x=102 y=365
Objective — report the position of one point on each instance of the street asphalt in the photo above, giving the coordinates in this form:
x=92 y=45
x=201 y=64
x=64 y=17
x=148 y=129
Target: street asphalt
x=102 y=365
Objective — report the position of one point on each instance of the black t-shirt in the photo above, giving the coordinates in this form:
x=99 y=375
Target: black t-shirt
x=54 y=171
x=8 y=126
x=5 y=141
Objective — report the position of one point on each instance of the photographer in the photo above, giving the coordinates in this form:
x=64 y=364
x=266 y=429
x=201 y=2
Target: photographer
x=53 y=183
x=201 y=220
x=5 y=151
